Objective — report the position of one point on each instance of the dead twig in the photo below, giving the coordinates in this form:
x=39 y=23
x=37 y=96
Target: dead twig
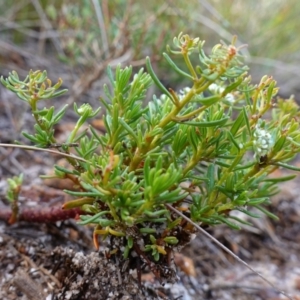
x=44 y=273
x=27 y=286
x=42 y=149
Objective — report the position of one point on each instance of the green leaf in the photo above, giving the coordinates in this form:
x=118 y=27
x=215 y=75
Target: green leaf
x=66 y=171
x=22 y=96
x=256 y=201
x=60 y=114
x=147 y=171
x=284 y=165
x=155 y=214
x=266 y=212
x=227 y=222
x=240 y=220
x=279 y=144
x=156 y=80
x=246 y=120
x=233 y=141
x=175 y=68
x=222 y=164
x=193 y=139
x=238 y=123
x=30 y=137
x=280 y=179
x=249 y=213
x=171 y=197
x=207 y=124
x=147 y=230
x=211 y=178
x=84 y=194
x=233 y=86
x=209 y=100
x=110 y=75
x=172 y=240
x=92 y=219
x=230 y=182
x=56 y=94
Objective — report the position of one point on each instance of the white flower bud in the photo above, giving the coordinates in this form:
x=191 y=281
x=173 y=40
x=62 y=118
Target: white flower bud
x=263 y=141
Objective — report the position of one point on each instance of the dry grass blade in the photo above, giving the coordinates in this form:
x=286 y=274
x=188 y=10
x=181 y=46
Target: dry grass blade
x=237 y=258
x=47 y=25
x=99 y=14
x=42 y=149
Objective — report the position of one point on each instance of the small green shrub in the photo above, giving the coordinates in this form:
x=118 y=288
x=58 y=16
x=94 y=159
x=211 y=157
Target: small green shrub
x=206 y=150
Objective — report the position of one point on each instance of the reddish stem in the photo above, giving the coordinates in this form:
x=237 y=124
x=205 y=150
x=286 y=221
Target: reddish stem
x=40 y=214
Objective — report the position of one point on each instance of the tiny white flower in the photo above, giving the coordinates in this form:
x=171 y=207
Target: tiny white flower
x=216 y=89
x=229 y=98
x=263 y=141
x=180 y=95
x=183 y=92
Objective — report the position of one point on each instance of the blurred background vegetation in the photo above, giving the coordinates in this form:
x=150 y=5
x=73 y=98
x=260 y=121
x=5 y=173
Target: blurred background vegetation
x=77 y=39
